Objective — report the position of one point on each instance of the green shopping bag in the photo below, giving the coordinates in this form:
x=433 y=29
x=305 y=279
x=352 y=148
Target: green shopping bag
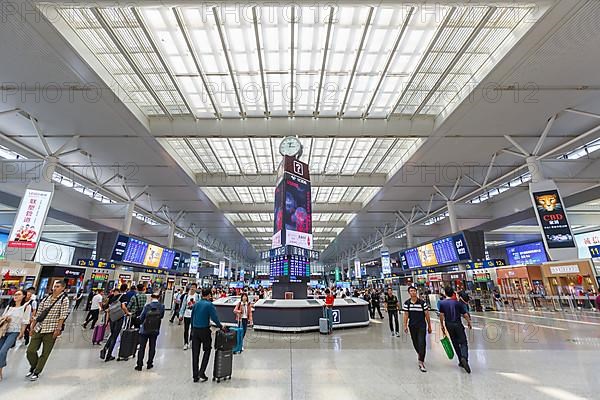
x=447 y=347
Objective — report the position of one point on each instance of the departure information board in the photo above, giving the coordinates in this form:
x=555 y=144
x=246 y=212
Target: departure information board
x=166 y=261
x=412 y=258
x=444 y=251
x=135 y=252
x=296 y=268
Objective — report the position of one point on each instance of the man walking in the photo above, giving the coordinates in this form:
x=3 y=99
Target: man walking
x=150 y=320
x=94 y=312
x=376 y=303
x=46 y=327
x=203 y=312
x=451 y=311
x=392 y=305
x=418 y=322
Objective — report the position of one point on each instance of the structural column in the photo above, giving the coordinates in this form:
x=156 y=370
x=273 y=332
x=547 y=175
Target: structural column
x=128 y=217
x=452 y=216
x=171 y=238
x=48 y=168
x=410 y=239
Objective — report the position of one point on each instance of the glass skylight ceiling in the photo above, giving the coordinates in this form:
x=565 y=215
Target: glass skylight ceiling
x=350 y=60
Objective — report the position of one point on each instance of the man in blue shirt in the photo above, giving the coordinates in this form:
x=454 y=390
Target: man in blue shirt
x=150 y=320
x=451 y=313
x=203 y=312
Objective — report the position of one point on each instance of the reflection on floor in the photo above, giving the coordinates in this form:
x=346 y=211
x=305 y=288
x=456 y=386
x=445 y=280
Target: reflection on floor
x=530 y=355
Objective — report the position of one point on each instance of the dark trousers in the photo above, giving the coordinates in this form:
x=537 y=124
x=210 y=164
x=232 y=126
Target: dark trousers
x=244 y=325
x=92 y=316
x=418 y=334
x=36 y=362
x=77 y=303
x=393 y=316
x=115 y=330
x=371 y=311
x=151 y=340
x=201 y=337
x=457 y=334
x=175 y=312
x=187 y=322
x=376 y=307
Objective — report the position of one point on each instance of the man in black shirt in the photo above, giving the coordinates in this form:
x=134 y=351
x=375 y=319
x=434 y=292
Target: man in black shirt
x=391 y=306
x=416 y=319
x=375 y=303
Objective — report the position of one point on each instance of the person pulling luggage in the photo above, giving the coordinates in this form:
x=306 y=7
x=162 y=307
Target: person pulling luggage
x=203 y=312
x=115 y=312
x=243 y=315
x=150 y=320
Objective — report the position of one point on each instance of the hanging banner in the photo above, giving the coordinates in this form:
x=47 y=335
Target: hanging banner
x=30 y=219
x=194 y=262
x=386 y=266
x=553 y=220
x=337 y=274
x=357 y=270
x=222 y=269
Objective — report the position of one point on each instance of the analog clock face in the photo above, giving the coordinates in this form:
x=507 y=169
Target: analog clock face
x=290 y=146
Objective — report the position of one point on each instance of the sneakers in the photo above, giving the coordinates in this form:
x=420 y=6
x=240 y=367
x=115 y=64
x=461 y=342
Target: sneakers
x=422 y=368
x=109 y=358
x=203 y=378
x=186 y=346
x=465 y=365
x=394 y=334
x=27 y=375
x=397 y=334
x=34 y=377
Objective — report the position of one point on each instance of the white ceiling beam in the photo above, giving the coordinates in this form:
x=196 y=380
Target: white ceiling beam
x=356 y=60
x=300 y=126
x=584 y=113
x=569 y=143
x=456 y=58
x=269 y=180
x=268 y=208
x=324 y=64
x=226 y=52
x=292 y=51
x=422 y=60
x=543 y=136
x=269 y=224
x=524 y=152
x=259 y=52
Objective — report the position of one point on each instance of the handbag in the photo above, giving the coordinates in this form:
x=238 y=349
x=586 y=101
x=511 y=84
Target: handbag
x=115 y=311
x=4 y=323
x=447 y=347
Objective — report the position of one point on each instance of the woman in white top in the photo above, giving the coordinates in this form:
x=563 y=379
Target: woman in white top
x=19 y=314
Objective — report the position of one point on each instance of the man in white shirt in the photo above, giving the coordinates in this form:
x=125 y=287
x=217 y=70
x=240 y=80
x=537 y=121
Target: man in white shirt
x=94 y=312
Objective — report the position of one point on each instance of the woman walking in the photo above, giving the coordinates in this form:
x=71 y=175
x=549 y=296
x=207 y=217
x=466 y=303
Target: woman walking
x=18 y=315
x=243 y=313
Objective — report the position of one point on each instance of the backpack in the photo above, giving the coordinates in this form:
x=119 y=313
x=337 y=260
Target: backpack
x=151 y=323
x=115 y=312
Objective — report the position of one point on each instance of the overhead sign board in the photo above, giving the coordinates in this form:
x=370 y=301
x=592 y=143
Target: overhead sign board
x=30 y=219
x=552 y=219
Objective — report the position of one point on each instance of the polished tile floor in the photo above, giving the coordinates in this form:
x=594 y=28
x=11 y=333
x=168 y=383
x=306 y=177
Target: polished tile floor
x=529 y=355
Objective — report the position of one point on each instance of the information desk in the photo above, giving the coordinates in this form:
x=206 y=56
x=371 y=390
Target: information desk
x=297 y=315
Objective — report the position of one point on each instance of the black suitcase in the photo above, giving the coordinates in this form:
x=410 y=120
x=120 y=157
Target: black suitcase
x=225 y=340
x=223 y=365
x=129 y=343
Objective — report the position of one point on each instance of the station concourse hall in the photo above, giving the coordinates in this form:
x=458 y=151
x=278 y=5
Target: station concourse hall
x=300 y=200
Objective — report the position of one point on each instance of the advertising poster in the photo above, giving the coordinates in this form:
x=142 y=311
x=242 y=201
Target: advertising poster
x=553 y=220
x=30 y=219
x=297 y=215
x=222 y=269
x=585 y=243
x=194 y=262
x=357 y=270
x=427 y=255
x=525 y=254
x=153 y=255
x=278 y=215
x=3 y=243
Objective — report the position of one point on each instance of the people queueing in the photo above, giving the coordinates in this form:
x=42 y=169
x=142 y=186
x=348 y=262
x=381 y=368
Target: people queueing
x=451 y=313
x=188 y=301
x=18 y=314
x=392 y=306
x=150 y=320
x=94 y=312
x=116 y=311
x=329 y=300
x=417 y=321
x=243 y=314
x=46 y=327
x=203 y=312
x=136 y=304
x=376 y=303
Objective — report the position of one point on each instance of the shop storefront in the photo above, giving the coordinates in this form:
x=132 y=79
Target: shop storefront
x=72 y=276
x=573 y=279
x=523 y=284
x=456 y=280
x=17 y=275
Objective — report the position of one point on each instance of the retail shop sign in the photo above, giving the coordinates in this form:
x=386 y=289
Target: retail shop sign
x=30 y=219
x=564 y=269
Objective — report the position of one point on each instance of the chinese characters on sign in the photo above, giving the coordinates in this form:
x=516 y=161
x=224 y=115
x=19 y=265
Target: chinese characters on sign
x=30 y=219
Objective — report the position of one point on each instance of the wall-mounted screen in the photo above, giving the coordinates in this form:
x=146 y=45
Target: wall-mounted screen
x=119 y=248
x=427 y=255
x=528 y=253
x=444 y=251
x=167 y=258
x=135 y=253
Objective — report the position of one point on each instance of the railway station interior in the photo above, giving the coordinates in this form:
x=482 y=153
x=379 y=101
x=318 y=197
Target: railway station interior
x=359 y=192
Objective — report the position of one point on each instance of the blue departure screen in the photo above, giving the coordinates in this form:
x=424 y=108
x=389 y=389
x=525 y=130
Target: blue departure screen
x=120 y=248
x=412 y=258
x=166 y=260
x=529 y=253
x=445 y=252
x=135 y=252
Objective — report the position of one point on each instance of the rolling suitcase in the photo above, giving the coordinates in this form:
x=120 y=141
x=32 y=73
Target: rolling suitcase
x=223 y=365
x=99 y=333
x=225 y=340
x=323 y=326
x=129 y=342
x=239 y=343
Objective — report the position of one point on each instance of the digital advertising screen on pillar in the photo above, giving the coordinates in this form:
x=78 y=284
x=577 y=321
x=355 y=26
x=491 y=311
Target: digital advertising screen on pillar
x=553 y=220
x=30 y=219
x=293 y=209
